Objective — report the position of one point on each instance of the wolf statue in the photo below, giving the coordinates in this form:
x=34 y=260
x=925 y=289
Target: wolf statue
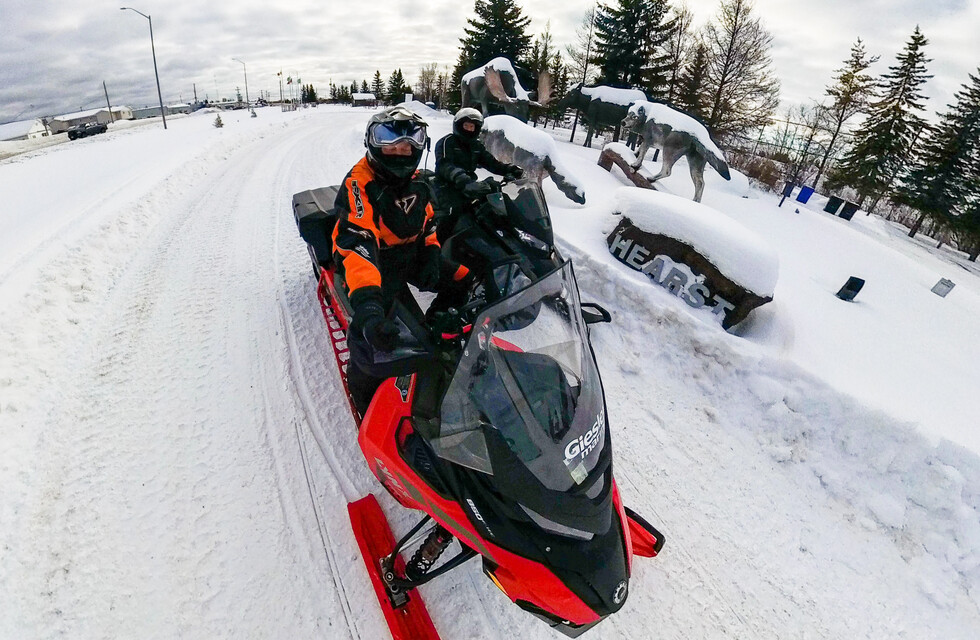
x=514 y=142
x=601 y=106
x=678 y=134
x=496 y=82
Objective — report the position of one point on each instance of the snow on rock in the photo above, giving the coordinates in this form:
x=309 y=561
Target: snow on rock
x=502 y=65
x=545 y=159
x=676 y=120
x=612 y=95
x=522 y=135
x=740 y=254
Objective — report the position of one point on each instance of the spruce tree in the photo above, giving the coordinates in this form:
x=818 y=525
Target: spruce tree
x=946 y=174
x=364 y=87
x=396 y=89
x=630 y=39
x=850 y=92
x=690 y=90
x=883 y=144
x=378 y=86
x=498 y=29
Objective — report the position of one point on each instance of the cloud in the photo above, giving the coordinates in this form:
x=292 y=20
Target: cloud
x=54 y=54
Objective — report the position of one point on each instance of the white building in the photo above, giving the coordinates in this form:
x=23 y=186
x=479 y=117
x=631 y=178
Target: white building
x=23 y=130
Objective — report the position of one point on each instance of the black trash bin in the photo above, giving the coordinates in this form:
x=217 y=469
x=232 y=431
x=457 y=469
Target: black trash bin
x=833 y=204
x=850 y=289
x=848 y=211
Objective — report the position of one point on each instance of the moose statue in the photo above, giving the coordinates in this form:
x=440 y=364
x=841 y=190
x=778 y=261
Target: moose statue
x=496 y=82
x=600 y=106
x=679 y=135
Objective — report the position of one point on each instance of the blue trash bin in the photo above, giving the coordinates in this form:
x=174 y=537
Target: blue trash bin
x=804 y=195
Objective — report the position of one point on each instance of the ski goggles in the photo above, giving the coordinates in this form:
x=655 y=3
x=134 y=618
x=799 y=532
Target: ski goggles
x=386 y=133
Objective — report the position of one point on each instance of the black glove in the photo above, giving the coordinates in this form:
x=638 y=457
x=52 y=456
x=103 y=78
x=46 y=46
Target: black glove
x=514 y=172
x=380 y=332
x=474 y=190
x=430 y=272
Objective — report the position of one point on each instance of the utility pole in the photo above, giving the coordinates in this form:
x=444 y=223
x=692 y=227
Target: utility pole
x=111 y=119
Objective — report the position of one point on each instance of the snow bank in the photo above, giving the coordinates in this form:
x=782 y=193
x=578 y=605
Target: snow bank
x=676 y=120
x=422 y=109
x=502 y=65
x=612 y=95
x=740 y=254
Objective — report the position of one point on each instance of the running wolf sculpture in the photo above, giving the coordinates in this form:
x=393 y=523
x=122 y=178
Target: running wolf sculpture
x=514 y=142
x=496 y=82
x=678 y=134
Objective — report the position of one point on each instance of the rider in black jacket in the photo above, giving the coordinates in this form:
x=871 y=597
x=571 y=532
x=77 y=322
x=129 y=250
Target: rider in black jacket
x=458 y=155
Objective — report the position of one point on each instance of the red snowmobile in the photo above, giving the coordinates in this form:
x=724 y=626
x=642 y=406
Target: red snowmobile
x=497 y=430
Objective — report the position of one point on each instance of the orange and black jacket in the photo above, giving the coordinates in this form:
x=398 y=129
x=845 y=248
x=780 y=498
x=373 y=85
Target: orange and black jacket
x=383 y=229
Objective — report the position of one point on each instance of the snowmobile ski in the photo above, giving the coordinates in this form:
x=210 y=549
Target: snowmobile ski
x=405 y=612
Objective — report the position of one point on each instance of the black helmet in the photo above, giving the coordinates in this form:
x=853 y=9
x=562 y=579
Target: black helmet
x=393 y=125
x=464 y=115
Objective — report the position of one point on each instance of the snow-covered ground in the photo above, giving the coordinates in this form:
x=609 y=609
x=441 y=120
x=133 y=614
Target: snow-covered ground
x=177 y=454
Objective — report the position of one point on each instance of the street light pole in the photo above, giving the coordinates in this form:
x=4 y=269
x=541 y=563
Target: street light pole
x=248 y=103
x=155 y=72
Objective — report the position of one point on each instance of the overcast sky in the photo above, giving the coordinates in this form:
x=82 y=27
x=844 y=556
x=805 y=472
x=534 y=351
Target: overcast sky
x=55 y=54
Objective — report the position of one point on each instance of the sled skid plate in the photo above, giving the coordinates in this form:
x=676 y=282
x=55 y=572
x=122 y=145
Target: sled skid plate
x=409 y=621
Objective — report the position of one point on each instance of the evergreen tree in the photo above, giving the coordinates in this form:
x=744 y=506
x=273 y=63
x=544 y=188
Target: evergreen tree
x=396 y=89
x=378 y=86
x=498 y=29
x=739 y=86
x=883 y=143
x=364 y=87
x=690 y=86
x=946 y=174
x=559 y=86
x=353 y=89
x=630 y=37
x=851 y=89
x=312 y=94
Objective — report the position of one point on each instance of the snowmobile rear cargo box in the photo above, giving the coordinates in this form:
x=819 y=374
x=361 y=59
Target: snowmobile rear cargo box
x=315 y=218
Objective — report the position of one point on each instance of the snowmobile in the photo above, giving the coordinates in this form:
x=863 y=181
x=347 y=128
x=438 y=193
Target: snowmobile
x=496 y=429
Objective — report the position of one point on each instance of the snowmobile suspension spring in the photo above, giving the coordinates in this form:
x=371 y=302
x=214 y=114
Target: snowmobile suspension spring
x=426 y=555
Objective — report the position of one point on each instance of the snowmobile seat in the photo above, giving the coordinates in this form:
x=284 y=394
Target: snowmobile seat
x=315 y=218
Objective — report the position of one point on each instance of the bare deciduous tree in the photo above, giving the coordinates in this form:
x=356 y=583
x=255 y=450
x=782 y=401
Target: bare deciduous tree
x=678 y=48
x=743 y=92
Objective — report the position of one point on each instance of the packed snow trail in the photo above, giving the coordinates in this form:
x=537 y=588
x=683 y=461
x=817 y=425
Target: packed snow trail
x=179 y=453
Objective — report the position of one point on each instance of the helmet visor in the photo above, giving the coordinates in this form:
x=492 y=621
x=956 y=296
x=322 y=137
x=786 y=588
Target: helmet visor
x=385 y=133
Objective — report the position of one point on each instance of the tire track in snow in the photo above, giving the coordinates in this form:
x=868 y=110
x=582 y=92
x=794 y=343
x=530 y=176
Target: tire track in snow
x=146 y=413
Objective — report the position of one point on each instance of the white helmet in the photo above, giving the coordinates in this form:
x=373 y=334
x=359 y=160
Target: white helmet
x=467 y=114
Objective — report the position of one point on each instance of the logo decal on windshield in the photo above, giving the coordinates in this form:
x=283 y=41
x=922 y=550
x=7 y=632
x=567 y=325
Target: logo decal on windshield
x=583 y=445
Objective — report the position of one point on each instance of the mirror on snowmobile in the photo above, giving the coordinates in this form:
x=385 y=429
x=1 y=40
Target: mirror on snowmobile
x=594 y=314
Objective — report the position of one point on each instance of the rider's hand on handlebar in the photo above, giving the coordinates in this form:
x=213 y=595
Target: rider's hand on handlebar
x=474 y=190
x=514 y=172
x=381 y=333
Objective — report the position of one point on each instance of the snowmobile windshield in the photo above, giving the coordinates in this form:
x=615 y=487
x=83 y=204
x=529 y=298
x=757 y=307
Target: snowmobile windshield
x=527 y=391
x=528 y=212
